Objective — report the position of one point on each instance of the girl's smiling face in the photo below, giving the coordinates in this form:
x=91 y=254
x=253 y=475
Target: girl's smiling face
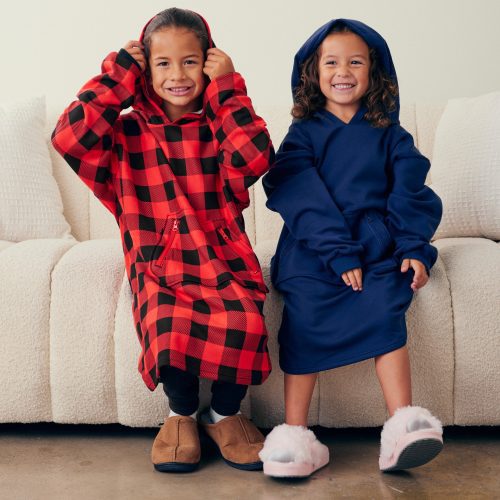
x=344 y=73
x=176 y=64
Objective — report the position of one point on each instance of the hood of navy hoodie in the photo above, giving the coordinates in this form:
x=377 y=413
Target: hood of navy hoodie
x=369 y=35
x=148 y=102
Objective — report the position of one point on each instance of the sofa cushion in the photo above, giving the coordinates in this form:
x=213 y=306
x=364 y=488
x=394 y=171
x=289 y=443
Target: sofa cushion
x=30 y=202
x=466 y=167
x=84 y=290
x=26 y=270
x=473 y=271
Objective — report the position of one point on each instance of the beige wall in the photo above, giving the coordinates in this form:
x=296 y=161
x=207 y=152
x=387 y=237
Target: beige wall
x=441 y=48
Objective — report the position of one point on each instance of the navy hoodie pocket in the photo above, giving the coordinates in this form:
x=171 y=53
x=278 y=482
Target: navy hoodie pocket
x=375 y=237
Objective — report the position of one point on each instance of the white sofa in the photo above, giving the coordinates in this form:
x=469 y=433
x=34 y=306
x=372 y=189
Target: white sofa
x=70 y=351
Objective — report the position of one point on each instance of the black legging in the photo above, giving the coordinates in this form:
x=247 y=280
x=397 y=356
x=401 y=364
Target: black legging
x=182 y=389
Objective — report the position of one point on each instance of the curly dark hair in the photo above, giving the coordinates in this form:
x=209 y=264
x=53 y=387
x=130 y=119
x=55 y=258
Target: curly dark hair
x=380 y=98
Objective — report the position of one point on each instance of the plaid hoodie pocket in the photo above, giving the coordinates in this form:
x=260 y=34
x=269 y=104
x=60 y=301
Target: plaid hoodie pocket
x=207 y=254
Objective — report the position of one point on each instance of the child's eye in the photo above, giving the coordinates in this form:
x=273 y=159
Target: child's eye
x=163 y=63
x=190 y=61
x=331 y=62
x=357 y=62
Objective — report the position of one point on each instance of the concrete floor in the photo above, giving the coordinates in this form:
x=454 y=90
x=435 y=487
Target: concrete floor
x=48 y=461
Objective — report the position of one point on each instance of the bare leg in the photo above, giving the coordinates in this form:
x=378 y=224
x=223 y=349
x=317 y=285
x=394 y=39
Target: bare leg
x=393 y=371
x=298 y=394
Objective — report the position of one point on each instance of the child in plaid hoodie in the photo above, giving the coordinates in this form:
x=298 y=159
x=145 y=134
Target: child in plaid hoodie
x=175 y=173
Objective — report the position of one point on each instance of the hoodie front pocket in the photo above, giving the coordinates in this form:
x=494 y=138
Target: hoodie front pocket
x=238 y=250
x=205 y=253
x=382 y=243
x=379 y=230
x=172 y=232
x=168 y=235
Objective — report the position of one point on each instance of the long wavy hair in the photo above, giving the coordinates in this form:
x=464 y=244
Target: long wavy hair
x=380 y=98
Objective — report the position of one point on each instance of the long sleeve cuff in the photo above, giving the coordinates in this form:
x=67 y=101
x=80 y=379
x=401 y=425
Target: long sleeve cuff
x=115 y=86
x=221 y=89
x=125 y=60
x=342 y=264
x=421 y=256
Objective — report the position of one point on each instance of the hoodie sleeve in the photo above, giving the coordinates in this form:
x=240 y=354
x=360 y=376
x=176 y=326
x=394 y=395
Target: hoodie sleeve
x=295 y=189
x=414 y=210
x=245 y=149
x=84 y=133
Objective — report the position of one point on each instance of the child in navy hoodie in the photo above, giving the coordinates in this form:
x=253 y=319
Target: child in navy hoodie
x=348 y=182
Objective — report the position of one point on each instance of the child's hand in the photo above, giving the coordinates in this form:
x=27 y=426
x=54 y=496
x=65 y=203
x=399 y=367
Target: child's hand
x=354 y=278
x=136 y=50
x=420 y=278
x=218 y=63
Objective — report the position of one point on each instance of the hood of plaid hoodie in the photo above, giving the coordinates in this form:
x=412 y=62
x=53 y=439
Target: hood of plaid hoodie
x=149 y=103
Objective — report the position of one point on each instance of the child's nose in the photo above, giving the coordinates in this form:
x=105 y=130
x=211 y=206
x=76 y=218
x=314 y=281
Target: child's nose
x=343 y=70
x=177 y=72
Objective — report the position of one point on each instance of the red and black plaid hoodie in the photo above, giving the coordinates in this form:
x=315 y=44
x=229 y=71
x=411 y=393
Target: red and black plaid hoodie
x=177 y=190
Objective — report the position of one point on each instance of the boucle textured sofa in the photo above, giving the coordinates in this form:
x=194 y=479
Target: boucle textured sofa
x=70 y=349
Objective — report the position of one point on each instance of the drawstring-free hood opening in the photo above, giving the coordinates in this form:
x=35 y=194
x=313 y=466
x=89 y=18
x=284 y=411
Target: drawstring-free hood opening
x=370 y=36
x=148 y=102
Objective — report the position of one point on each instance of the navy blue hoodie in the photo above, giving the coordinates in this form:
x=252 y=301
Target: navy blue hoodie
x=329 y=174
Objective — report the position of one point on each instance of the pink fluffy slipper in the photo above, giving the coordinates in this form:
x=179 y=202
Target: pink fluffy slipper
x=293 y=451
x=411 y=437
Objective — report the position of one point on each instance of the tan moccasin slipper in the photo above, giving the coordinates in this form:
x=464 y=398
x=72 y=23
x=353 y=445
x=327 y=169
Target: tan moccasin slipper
x=238 y=439
x=176 y=448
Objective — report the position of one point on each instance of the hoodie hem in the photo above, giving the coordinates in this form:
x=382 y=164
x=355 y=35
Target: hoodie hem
x=343 y=362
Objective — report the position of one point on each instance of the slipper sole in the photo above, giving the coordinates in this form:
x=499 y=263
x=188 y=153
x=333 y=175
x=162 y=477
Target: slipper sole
x=248 y=466
x=291 y=469
x=417 y=448
x=175 y=467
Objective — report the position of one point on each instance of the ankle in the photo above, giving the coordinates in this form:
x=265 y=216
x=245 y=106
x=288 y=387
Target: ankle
x=296 y=422
x=217 y=417
x=173 y=414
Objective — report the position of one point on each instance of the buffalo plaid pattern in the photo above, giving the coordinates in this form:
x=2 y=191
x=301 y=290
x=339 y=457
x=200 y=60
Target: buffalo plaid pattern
x=177 y=190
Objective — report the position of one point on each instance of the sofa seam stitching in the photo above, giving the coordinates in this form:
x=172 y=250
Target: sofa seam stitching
x=453 y=342
x=417 y=139
x=113 y=343
x=319 y=399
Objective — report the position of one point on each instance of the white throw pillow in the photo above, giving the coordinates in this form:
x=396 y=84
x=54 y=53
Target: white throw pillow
x=30 y=202
x=466 y=167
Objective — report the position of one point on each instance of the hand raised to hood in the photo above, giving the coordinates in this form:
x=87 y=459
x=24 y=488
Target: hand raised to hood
x=136 y=49
x=217 y=63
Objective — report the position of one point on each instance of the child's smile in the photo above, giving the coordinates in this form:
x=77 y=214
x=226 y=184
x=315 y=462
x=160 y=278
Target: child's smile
x=343 y=86
x=344 y=73
x=179 y=91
